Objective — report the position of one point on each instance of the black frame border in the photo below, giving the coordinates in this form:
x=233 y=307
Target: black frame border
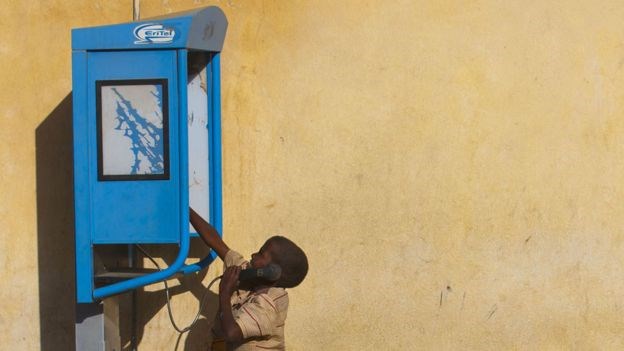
x=165 y=112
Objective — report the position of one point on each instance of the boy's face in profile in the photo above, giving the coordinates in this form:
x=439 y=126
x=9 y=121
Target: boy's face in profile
x=262 y=258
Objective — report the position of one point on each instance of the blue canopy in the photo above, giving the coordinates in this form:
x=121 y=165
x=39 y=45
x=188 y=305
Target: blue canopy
x=201 y=29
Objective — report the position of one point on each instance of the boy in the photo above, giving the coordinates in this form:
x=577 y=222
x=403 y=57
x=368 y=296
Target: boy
x=252 y=315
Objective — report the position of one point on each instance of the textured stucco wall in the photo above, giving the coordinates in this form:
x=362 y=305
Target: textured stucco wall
x=36 y=298
x=452 y=168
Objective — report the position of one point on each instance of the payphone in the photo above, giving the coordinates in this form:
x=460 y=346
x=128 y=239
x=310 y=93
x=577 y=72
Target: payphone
x=147 y=139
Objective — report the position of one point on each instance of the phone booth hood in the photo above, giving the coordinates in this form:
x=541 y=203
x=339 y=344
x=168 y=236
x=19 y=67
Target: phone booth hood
x=147 y=139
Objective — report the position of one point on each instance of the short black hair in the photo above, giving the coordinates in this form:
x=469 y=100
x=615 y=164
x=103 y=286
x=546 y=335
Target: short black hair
x=291 y=259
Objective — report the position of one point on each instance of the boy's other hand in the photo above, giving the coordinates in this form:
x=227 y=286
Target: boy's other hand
x=229 y=281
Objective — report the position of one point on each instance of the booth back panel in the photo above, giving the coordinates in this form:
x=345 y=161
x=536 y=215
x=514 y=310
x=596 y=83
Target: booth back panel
x=198 y=141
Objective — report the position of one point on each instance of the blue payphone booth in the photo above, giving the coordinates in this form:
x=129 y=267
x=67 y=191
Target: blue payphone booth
x=147 y=142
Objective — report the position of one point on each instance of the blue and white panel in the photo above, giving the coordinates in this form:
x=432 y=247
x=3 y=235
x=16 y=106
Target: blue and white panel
x=199 y=186
x=133 y=133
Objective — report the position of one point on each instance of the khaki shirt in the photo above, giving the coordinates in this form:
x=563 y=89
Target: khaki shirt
x=259 y=314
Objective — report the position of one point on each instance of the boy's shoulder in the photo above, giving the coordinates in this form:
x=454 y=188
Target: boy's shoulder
x=274 y=297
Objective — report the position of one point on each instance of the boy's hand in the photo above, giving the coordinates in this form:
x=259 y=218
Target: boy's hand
x=231 y=330
x=229 y=281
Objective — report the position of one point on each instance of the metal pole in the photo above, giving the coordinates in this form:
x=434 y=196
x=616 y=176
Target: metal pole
x=136 y=10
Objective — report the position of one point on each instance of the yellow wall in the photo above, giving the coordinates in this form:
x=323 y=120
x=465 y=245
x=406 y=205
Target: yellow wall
x=452 y=168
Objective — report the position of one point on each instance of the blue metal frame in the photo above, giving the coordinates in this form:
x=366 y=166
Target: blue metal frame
x=99 y=84
x=216 y=193
x=202 y=29
x=191 y=34
x=82 y=195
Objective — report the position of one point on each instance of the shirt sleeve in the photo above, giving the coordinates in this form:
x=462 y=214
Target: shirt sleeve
x=257 y=317
x=233 y=258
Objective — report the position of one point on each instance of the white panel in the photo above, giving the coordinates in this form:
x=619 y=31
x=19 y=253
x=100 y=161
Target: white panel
x=132 y=130
x=199 y=186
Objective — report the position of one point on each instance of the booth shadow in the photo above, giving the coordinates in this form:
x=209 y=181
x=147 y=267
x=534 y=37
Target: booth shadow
x=149 y=303
x=56 y=256
x=55 y=232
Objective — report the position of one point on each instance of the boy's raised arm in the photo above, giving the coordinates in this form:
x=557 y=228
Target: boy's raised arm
x=208 y=234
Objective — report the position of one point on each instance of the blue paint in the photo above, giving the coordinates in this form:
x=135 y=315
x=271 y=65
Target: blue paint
x=141 y=211
x=133 y=211
x=214 y=128
x=201 y=29
x=82 y=195
x=216 y=185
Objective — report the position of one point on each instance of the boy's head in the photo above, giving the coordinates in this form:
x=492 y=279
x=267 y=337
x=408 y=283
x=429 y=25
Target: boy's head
x=287 y=255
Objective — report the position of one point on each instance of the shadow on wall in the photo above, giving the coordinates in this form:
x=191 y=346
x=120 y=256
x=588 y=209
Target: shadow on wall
x=55 y=218
x=151 y=303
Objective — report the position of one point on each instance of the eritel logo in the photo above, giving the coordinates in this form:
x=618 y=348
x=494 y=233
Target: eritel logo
x=153 y=33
